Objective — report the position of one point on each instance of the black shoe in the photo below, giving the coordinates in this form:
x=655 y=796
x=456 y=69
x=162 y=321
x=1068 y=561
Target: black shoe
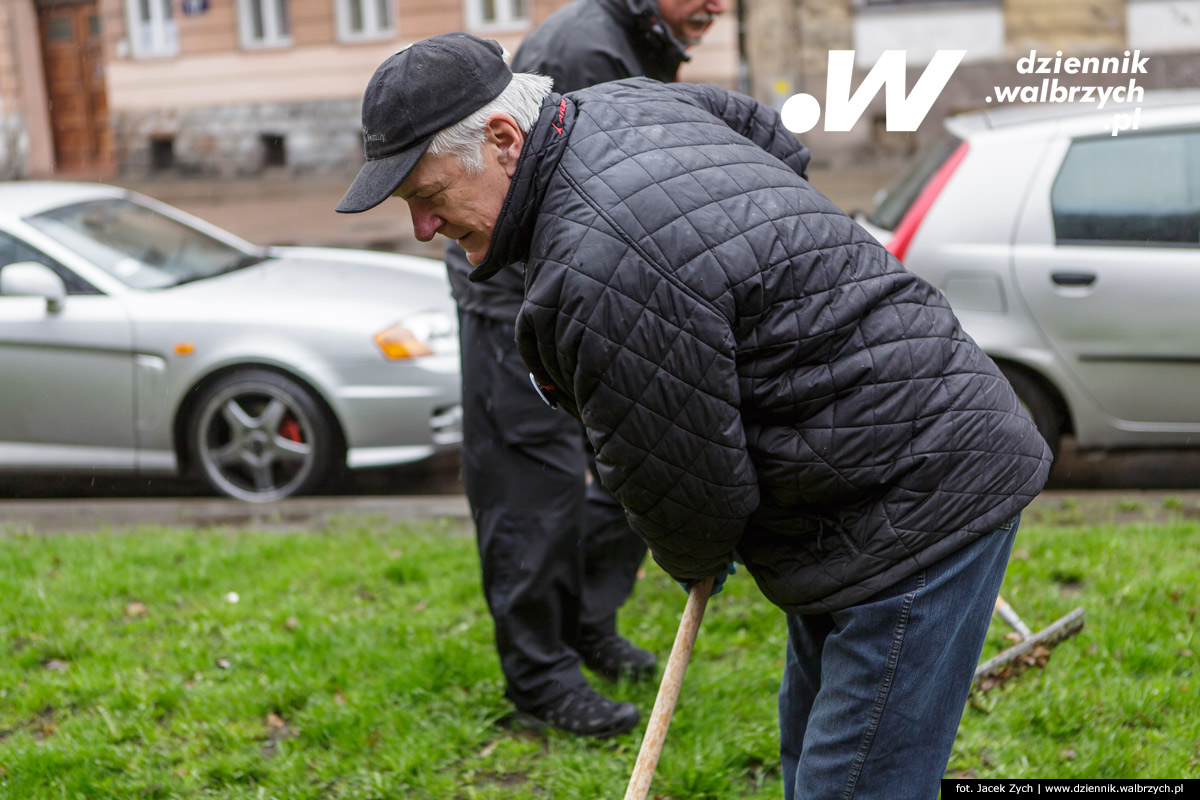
x=584 y=712
x=616 y=657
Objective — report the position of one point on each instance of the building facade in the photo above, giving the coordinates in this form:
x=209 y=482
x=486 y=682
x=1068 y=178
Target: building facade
x=226 y=87
x=788 y=44
x=235 y=87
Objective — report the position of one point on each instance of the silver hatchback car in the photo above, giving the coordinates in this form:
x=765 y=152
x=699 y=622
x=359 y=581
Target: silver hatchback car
x=135 y=338
x=1072 y=256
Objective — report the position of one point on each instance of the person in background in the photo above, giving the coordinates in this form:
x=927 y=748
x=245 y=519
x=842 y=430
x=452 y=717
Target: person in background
x=524 y=467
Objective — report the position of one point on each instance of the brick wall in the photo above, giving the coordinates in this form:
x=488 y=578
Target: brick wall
x=1077 y=27
x=788 y=42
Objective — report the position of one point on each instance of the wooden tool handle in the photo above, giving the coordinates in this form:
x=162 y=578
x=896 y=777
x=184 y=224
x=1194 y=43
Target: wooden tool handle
x=1007 y=614
x=668 y=691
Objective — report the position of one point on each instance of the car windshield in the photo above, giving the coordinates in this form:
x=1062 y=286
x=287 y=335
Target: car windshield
x=892 y=202
x=139 y=246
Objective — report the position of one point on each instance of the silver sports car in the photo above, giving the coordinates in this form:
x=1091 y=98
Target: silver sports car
x=136 y=338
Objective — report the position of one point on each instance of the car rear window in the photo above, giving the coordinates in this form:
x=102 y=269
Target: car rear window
x=1135 y=189
x=892 y=202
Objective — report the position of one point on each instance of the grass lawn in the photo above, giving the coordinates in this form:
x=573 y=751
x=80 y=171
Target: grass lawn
x=357 y=662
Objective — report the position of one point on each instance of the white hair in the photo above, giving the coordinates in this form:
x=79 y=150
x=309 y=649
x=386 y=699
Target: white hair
x=521 y=99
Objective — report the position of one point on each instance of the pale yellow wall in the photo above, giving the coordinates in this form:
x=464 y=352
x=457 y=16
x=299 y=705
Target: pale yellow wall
x=22 y=86
x=420 y=19
x=1077 y=27
x=112 y=24
x=789 y=39
x=276 y=76
x=216 y=31
x=9 y=94
x=312 y=22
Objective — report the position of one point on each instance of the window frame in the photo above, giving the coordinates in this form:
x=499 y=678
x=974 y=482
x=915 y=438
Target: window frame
x=275 y=12
x=372 y=31
x=505 y=19
x=163 y=27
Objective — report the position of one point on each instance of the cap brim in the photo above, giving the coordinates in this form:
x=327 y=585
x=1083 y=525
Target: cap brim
x=380 y=178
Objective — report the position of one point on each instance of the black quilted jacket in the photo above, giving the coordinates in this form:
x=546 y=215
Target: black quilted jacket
x=753 y=369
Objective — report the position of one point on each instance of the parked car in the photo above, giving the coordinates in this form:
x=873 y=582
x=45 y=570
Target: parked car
x=136 y=338
x=1072 y=256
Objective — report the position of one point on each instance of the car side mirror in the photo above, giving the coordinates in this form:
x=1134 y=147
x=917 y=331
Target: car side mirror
x=31 y=279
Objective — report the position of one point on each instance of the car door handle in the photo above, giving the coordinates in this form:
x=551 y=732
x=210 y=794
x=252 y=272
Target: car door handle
x=1073 y=278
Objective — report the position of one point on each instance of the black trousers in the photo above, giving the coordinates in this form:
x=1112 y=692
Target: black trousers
x=557 y=556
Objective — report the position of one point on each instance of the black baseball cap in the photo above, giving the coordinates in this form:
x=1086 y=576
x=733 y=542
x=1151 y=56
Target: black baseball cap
x=414 y=94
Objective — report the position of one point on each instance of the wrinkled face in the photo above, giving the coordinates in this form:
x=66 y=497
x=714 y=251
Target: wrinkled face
x=443 y=197
x=689 y=20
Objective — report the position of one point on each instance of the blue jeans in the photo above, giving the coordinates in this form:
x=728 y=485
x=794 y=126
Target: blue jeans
x=872 y=695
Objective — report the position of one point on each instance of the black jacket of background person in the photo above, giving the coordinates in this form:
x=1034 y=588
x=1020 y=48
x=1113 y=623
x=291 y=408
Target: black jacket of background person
x=752 y=368
x=582 y=44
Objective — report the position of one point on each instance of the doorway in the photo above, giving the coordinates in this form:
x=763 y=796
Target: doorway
x=73 y=62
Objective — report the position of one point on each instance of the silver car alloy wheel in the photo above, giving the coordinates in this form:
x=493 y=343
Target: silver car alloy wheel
x=259 y=437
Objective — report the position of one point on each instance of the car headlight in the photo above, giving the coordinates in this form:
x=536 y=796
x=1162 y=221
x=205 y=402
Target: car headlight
x=425 y=334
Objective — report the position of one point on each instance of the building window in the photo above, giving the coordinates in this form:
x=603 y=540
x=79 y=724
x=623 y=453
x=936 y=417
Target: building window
x=162 y=153
x=361 y=20
x=264 y=23
x=153 y=32
x=497 y=14
x=274 y=149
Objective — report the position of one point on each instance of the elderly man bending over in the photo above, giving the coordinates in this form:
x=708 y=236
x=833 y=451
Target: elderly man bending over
x=754 y=372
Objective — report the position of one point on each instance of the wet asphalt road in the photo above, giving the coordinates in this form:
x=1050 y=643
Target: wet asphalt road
x=433 y=489
x=1073 y=471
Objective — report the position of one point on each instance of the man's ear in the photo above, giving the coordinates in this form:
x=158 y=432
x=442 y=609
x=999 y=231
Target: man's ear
x=503 y=133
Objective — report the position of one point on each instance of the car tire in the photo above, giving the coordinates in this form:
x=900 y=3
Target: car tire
x=1037 y=402
x=260 y=436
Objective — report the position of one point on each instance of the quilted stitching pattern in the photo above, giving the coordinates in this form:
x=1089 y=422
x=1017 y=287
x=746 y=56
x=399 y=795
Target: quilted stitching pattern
x=752 y=368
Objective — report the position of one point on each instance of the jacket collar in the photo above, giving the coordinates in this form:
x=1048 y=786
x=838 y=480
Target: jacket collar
x=642 y=20
x=544 y=147
x=626 y=11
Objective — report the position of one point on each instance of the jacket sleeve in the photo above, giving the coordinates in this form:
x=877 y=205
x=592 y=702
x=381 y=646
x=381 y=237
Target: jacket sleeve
x=649 y=368
x=759 y=123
